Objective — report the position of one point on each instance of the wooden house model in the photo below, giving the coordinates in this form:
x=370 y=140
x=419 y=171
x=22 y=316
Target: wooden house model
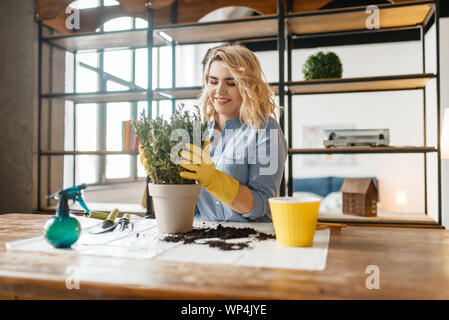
x=360 y=196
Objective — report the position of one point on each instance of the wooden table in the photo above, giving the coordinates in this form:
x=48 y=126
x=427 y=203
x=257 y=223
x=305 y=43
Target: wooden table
x=413 y=264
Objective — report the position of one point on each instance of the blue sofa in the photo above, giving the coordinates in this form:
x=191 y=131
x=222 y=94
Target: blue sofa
x=321 y=186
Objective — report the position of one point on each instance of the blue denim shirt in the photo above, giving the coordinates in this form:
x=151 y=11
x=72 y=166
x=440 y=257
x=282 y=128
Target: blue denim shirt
x=255 y=158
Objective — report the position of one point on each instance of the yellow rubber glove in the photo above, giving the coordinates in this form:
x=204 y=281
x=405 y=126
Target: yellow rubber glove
x=219 y=184
x=144 y=160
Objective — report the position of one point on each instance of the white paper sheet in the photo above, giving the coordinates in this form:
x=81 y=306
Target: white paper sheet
x=144 y=242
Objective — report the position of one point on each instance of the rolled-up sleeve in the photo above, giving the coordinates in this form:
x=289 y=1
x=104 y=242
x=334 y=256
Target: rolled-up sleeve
x=265 y=175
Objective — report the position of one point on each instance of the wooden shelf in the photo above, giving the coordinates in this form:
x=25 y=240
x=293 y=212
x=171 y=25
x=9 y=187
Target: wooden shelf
x=259 y=27
x=345 y=85
x=98 y=97
x=354 y=19
x=103 y=40
x=226 y=30
x=366 y=84
x=382 y=218
x=359 y=150
x=85 y=153
x=178 y=93
x=52 y=12
x=124 y=96
x=135 y=95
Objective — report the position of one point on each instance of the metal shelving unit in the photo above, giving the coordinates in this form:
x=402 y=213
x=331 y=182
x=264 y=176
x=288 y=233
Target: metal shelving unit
x=351 y=21
x=286 y=28
x=253 y=28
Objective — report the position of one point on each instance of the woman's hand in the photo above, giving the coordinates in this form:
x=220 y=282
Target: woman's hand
x=219 y=184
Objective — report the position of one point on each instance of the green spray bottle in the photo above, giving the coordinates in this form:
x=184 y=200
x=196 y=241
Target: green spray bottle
x=62 y=230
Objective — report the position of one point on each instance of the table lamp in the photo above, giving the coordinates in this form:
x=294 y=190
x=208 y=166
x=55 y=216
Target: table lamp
x=401 y=199
x=445 y=136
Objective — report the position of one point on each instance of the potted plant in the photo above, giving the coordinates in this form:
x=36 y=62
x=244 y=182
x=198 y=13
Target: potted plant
x=174 y=197
x=322 y=66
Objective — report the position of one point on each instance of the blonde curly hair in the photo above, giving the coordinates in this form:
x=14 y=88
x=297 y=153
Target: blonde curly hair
x=257 y=95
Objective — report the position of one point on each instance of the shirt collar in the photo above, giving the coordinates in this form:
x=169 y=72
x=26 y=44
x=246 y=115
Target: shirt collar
x=231 y=123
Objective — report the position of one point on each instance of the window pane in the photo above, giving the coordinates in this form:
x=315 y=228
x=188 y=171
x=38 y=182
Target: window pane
x=116 y=113
x=118 y=166
x=88 y=57
x=123 y=23
x=86 y=169
x=141 y=107
x=86 y=127
x=68 y=125
x=118 y=63
x=154 y=109
x=69 y=70
x=140 y=169
x=166 y=67
x=86 y=80
x=141 y=71
x=114 y=86
x=165 y=109
x=141 y=68
x=189 y=67
x=68 y=172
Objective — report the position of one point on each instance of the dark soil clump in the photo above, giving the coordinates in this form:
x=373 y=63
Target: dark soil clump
x=222 y=233
x=225 y=246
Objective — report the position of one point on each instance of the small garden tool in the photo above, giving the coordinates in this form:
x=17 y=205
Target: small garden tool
x=125 y=223
x=93 y=214
x=108 y=225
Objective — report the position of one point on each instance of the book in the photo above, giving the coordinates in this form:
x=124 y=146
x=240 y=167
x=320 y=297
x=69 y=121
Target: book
x=127 y=134
x=130 y=142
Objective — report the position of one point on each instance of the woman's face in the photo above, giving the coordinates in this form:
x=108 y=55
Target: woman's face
x=223 y=91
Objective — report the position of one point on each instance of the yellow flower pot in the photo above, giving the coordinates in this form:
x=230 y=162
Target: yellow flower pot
x=294 y=220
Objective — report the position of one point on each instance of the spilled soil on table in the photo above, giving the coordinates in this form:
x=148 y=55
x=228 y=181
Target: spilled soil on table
x=221 y=233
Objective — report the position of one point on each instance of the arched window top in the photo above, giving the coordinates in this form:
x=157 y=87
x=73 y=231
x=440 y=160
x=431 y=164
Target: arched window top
x=124 y=23
x=117 y=24
x=86 y=4
x=231 y=12
x=110 y=3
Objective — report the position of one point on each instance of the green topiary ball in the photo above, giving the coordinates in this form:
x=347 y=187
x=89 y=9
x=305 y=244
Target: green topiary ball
x=322 y=65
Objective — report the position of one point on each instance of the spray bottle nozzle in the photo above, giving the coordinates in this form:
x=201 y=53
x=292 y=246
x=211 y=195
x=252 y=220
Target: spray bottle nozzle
x=72 y=193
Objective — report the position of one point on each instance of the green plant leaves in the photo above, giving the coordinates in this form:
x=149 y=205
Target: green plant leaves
x=155 y=137
x=322 y=65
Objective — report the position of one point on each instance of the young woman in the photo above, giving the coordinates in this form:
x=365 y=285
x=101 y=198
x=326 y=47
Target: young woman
x=241 y=166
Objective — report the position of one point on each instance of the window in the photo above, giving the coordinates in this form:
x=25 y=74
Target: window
x=100 y=89
x=98 y=126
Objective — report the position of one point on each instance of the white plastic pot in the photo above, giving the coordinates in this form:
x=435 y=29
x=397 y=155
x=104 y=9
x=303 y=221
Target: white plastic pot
x=174 y=206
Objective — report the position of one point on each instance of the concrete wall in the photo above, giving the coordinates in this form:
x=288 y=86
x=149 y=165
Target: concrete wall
x=444 y=71
x=52 y=122
x=18 y=106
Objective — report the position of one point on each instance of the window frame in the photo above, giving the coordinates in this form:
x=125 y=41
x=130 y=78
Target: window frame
x=102 y=107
